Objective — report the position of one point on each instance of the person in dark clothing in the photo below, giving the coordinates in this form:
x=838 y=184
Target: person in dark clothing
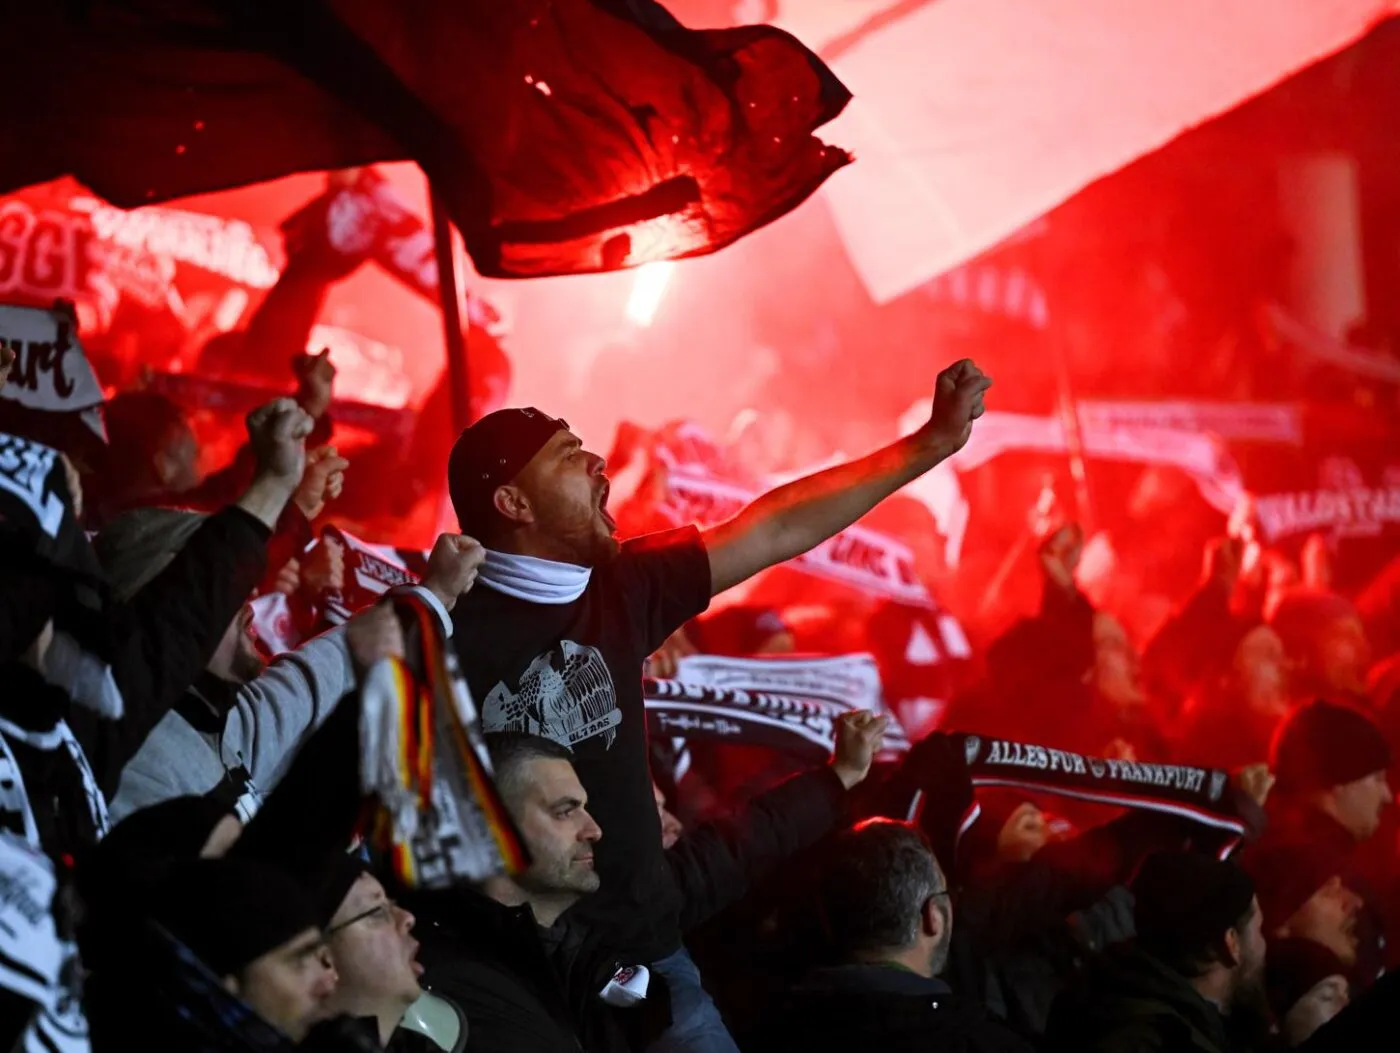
x=251 y=926
x=1331 y=763
x=158 y=643
x=1303 y=896
x=371 y=943
x=1193 y=980
x=532 y=972
x=152 y=455
x=554 y=642
x=886 y=907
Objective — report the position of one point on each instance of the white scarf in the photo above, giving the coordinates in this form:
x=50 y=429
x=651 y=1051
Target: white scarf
x=533 y=580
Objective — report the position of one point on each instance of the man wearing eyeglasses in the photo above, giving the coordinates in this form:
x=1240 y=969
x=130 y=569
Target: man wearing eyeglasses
x=371 y=943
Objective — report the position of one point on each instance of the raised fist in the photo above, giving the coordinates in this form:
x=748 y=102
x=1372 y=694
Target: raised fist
x=957 y=402
x=315 y=379
x=858 y=738
x=277 y=432
x=7 y=361
x=452 y=567
x=322 y=481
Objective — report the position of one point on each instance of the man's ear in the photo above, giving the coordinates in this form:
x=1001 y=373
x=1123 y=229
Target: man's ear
x=513 y=505
x=931 y=920
x=1232 y=948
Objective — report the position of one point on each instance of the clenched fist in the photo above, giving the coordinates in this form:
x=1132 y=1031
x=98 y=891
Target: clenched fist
x=452 y=567
x=315 y=379
x=957 y=402
x=277 y=432
x=858 y=738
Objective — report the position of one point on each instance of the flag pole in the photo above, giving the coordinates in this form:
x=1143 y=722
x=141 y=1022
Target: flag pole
x=449 y=295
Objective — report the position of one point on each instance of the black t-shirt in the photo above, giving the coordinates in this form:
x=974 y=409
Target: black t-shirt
x=572 y=673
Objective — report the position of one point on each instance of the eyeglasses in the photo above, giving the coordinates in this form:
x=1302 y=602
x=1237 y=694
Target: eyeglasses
x=384 y=912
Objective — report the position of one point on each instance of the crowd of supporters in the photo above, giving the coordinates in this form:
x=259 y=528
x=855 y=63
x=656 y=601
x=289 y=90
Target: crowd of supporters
x=251 y=802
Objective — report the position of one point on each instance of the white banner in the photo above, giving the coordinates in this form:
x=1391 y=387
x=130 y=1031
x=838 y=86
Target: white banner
x=51 y=372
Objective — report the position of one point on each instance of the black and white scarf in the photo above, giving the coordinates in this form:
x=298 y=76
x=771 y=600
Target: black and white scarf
x=799 y=721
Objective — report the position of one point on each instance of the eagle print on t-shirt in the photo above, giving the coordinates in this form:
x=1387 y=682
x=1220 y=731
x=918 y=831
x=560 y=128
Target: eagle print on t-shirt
x=565 y=695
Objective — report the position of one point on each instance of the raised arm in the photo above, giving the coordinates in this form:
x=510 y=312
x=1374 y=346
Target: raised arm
x=800 y=515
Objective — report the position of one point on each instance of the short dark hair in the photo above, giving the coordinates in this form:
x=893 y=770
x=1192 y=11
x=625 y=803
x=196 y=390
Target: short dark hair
x=1184 y=902
x=1192 y=962
x=511 y=750
x=874 y=883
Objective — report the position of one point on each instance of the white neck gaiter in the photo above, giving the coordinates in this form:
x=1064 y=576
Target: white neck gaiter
x=532 y=579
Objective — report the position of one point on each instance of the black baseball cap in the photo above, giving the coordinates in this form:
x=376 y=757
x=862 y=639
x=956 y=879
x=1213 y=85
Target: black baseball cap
x=491 y=453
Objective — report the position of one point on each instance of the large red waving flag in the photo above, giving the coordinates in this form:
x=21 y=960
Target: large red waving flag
x=565 y=136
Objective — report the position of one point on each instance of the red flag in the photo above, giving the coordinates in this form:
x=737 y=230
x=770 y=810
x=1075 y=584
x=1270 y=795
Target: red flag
x=566 y=136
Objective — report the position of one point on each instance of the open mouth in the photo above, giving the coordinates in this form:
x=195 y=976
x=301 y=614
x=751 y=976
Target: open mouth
x=603 y=507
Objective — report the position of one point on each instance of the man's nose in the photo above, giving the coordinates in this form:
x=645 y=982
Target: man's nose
x=591 y=831
x=596 y=464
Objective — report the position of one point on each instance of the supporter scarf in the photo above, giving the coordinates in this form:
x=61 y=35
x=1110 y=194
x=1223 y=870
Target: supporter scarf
x=805 y=728
x=58 y=737
x=370 y=571
x=1198 y=794
x=772 y=701
x=37 y=526
x=437 y=815
x=30 y=950
x=533 y=580
x=38 y=962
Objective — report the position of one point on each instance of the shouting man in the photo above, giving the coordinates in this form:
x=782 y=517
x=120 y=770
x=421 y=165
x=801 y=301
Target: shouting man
x=554 y=642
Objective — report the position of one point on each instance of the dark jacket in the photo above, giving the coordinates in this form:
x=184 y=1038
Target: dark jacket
x=1024 y=929
x=884 y=1008
x=1129 y=1002
x=162 y=639
x=527 y=988
x=490 y=961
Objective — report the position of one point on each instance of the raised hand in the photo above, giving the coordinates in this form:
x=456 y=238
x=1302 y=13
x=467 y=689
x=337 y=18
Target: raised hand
x=322 y=481
x=374 y=633
x=277 y=433
x=858 y=738
x=958 y=400
x=1224 y=560
x=452 y=567
x=7 y=361
x=1254 y=781
x=325 y=568
x=1060 y=553
x=315 y=381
